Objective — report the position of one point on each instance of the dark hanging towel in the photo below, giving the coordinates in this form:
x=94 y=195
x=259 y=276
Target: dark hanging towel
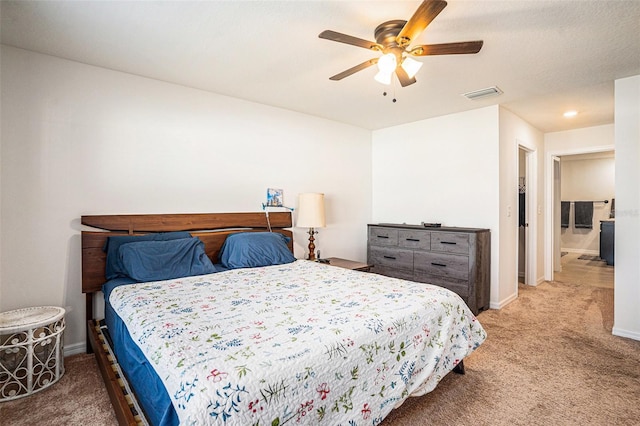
x=521 y=210
x=565 y=208
x=612 y=214
x=583 y=214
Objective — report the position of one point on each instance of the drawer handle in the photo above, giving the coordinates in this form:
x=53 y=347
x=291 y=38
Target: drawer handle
x=439 y=264
x=413 y=239
x=383 y=236
x=389 y=257
x=449 y=242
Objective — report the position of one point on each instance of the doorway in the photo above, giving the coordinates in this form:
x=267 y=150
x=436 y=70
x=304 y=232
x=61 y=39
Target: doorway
x=522 y=214
x=557 y=253
x=553 y=181
x=527 y=207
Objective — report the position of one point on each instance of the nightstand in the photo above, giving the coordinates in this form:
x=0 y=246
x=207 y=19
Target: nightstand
x=349 y=264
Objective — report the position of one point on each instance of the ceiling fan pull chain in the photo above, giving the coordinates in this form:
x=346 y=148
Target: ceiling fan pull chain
x=394 y=92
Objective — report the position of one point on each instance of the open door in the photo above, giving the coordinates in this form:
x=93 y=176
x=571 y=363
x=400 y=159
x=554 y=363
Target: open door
x=527 y=215
x=557 y=254
x=522 y=215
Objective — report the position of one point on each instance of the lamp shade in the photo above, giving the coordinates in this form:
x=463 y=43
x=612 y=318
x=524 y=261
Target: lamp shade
x=386 y=66
x=387 y=63
x=311 y=210
x=411 y=66
x=383 y=78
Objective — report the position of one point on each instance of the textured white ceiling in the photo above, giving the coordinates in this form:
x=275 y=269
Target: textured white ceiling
x=547 y=56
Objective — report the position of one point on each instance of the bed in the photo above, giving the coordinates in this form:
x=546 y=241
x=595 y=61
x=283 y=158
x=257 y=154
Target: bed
x=263 y=338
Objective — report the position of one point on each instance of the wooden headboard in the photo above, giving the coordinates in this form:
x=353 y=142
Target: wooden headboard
x=211 y=228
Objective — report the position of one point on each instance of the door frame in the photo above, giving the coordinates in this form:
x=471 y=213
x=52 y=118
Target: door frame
x=556 y=254
x=531 y=217
x=549 y=220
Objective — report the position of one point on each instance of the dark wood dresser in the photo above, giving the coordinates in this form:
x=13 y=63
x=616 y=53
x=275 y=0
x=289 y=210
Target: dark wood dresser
x=455 y=258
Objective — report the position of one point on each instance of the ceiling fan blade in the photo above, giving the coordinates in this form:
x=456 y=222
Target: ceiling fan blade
x=460 y=48
x=347 y=39
x=422 y=17
x=404 y=78
x=353 y=70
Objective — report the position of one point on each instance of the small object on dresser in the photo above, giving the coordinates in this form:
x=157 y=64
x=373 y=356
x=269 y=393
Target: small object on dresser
x=324 y=261
x=431 y=225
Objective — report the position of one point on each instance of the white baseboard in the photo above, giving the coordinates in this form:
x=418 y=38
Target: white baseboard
x=535 y=284
x=502 y=303
x=581 y=251
x=625 y=333
x=539 y=281
x=75 y=349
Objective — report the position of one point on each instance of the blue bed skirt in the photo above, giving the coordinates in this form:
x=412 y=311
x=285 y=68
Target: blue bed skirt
x=147 y=386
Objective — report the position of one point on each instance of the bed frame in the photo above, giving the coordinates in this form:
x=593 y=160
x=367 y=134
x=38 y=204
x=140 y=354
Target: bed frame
x=211 y=228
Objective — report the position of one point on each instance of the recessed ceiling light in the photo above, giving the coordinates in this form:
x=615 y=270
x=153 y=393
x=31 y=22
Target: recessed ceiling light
x=570 y=114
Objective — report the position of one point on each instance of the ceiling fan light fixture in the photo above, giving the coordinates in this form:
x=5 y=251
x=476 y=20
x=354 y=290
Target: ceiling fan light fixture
x=394 y=41
x=411 y=66
x=387 y=63
x=383 y=77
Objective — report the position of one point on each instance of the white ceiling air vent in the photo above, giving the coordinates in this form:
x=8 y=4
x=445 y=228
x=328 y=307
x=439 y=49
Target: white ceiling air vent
x=483 y=93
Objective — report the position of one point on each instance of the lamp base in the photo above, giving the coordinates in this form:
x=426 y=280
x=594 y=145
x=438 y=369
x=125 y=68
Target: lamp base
x=312 y=246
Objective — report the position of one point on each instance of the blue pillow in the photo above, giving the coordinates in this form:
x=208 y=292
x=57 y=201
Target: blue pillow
x=114 y=268
x=164 y=260
x=252 y=249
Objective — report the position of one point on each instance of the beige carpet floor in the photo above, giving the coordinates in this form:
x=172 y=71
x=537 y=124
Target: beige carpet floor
x=550 y=359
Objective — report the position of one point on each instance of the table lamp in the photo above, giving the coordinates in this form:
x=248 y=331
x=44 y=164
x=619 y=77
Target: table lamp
x=311 y=215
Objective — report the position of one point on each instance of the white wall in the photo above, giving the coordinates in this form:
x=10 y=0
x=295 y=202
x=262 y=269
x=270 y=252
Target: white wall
x=627 y=235
x=78 y=139
x=580 y=141
x=586 y=179
x=443 y=169
x=516 y=133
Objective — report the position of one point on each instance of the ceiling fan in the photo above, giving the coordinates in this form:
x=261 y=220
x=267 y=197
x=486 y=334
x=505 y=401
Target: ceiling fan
x=393 y=40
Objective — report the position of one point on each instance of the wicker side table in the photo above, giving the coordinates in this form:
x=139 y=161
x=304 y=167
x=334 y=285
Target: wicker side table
x=31 y=350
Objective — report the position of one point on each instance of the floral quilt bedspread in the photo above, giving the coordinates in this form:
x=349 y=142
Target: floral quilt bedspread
x=301 y=343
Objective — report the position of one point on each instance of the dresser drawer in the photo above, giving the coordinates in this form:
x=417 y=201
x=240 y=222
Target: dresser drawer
x=442 y=265
x=383 y=236
x=450 y=242
x=391 y=258
x=414 y=239
x=392 y=272
x=461 y=288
